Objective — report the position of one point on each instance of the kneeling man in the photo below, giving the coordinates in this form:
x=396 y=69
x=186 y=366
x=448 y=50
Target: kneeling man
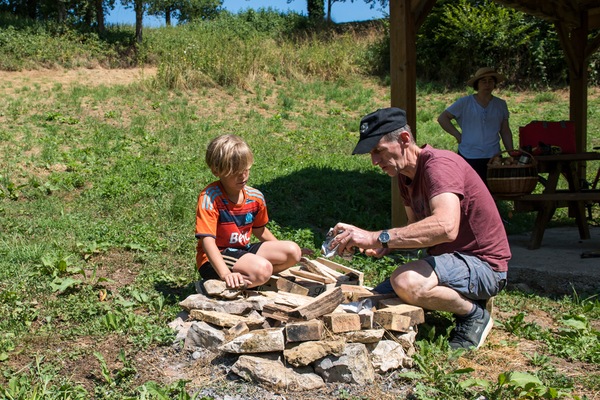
x=451 y=213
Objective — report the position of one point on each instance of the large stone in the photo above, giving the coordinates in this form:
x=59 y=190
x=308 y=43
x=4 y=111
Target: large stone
x=388 y=355
x=307 y=352
x=275 y=374
x=353 y=366
x=204 y=335
x=202 y=302
x=258 y=341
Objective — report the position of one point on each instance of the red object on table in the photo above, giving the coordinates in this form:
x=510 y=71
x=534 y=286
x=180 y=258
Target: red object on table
x=555 y=133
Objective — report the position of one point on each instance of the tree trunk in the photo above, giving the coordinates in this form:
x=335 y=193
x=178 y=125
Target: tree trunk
x=139 y=15
x=88 y=17
x=62 y=12
x=32 y=9
x=168 y=16
x=315 y=9
x=100 y=17
x=329 y=2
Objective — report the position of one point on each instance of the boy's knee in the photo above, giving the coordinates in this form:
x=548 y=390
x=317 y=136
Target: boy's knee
x=263 y=271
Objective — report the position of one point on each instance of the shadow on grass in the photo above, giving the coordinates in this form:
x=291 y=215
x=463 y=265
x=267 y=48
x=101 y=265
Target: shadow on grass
x=317 y=198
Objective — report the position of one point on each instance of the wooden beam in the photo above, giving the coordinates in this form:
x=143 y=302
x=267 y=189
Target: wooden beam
x=403 y=74
x=567 y=46
x=416 y=5
x=592 y=47
x=578 y=87
x=593 y=21
x=423 y=12
x=566 y=12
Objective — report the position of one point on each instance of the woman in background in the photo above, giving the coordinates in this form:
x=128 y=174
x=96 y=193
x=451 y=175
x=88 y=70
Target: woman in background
x=483 y=120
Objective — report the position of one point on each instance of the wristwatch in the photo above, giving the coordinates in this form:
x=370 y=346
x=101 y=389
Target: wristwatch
x=384 y=238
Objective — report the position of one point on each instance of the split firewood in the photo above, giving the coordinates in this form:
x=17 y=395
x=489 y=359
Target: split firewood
x=286 y=285
x=351 y=273
x=317 y=268
x=399 y=318
x=324 y=304
x=305 y=274
x=342 y=322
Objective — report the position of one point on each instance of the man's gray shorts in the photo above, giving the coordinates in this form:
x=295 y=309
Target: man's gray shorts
x=468 y=275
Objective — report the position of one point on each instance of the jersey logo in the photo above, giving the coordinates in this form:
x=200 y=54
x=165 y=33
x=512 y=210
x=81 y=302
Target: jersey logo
x=249 y=218
x=240 y=238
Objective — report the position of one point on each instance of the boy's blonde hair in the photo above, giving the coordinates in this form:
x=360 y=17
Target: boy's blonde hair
x=228 y=155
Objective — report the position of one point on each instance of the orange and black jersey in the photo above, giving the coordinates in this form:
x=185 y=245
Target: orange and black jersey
x=230 y=224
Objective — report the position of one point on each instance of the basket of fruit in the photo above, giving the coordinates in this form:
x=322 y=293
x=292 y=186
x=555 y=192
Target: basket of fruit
x=514 y=175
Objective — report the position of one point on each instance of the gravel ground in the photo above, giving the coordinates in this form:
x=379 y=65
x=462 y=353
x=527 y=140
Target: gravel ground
x=210 y=374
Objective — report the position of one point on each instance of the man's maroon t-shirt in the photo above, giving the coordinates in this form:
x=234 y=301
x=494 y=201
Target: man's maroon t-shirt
x=481 y=232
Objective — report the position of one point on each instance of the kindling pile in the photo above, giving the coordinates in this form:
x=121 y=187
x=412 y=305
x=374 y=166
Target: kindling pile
x=288 y=338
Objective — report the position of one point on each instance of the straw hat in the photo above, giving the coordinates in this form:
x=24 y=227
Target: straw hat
x=483 y=73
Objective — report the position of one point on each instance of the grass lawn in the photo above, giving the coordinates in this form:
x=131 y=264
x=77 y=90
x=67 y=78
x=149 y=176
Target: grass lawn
x=98 y=186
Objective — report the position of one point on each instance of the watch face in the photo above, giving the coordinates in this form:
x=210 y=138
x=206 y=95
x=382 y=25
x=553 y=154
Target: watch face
x=384 y=237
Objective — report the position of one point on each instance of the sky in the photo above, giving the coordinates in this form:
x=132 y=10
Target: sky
x=340 y=12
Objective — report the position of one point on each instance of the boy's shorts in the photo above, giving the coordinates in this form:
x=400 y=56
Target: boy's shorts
x=468 y=275
x=230 y=256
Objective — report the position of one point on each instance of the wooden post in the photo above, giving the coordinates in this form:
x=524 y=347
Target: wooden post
x=578 y=88
x=403 y=74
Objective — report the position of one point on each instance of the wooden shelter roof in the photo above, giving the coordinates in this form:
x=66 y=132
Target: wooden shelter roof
x=572 y=19
x=564 y=11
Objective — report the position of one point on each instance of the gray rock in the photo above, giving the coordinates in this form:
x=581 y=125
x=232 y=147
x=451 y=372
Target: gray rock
x=388 y=355
x=204 y=335
x=258 y=341
x=274 y=373
x=202 y=302
x=353 y=366
x=307 y=352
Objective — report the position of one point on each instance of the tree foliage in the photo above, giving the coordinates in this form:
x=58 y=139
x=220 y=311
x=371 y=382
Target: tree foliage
x=459 y=37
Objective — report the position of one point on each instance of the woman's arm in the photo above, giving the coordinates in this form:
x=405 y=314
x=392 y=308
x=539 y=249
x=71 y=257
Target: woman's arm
x=506 y=135
x=445 y=121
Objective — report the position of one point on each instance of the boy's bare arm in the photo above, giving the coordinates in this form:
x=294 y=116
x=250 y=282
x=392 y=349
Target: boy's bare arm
x=233 y=279
x=263 y=234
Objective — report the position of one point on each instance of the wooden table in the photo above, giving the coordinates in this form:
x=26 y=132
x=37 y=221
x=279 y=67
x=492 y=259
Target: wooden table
x=545 y=203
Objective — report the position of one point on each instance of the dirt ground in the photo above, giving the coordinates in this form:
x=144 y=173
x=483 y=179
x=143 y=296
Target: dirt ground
x=50 y=77
x=208 y=372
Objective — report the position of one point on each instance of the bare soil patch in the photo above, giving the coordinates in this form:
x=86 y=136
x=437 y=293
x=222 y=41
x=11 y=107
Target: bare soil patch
x=49 y=77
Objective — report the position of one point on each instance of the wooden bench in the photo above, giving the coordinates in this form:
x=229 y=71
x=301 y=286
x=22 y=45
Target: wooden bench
x=545 y=203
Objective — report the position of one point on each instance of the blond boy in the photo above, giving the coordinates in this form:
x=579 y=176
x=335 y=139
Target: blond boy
x=228 y=213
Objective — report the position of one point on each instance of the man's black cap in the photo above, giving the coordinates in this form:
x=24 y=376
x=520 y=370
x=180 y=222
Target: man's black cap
x=375 y=125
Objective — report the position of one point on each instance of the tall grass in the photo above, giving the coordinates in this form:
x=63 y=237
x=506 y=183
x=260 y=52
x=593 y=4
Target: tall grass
x=232 y=52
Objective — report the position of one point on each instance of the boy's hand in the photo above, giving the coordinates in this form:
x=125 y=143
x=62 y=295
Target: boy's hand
x=235 y=280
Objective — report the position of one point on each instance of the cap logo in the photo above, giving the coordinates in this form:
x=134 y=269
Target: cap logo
x=364 y=127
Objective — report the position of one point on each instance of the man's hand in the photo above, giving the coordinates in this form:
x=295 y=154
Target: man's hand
x=307 y=252
x=235 y=280
x=352 y=236
x=378 y=253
